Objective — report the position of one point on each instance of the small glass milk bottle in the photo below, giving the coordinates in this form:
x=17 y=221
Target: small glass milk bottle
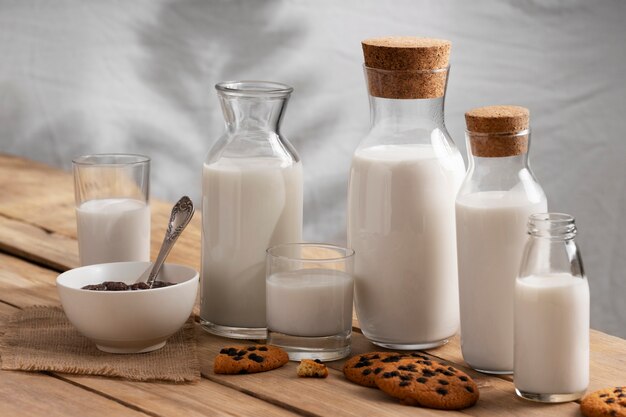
x=251 y=200
x=492 y=208
x=551 y=313
x=404 y=178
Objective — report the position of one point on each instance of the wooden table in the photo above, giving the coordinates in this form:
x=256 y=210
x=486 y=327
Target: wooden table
x=38 y=240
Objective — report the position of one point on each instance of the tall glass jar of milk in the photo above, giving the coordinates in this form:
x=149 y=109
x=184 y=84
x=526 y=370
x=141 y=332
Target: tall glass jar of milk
x=404 y=178
x=493 y=205
x=551 y=313
x=251 y=200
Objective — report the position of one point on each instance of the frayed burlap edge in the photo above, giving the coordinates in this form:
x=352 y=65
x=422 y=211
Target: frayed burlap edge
x=28 y=344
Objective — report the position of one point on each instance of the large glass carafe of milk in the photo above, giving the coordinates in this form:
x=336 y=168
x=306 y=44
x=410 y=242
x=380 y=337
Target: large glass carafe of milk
x=492 y=208
x=404 y=178
x=251 y=200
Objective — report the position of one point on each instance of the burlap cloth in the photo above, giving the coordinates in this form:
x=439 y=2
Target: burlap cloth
x=42 y=339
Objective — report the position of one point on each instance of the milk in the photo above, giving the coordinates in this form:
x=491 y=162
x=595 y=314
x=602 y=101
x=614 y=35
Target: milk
x=491 y=234
x=402 y=228
x=113 y=230
x=310 y=302
x=551 y=334
x=249 y=204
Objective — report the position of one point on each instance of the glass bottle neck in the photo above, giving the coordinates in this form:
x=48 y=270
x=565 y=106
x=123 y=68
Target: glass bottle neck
x=406 y=114
x=246 y=114
x=551 y=247
x=499 y=165
x=252 y=112
x=552 y=226
x=499 y=162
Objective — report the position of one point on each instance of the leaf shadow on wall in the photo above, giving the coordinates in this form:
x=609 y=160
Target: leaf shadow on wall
x=191 y=46
x=194 y=44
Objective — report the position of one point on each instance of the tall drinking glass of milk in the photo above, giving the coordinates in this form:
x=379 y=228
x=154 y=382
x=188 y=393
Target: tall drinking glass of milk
x=551 y=313
x=251 y=200
x=112 y=207
x=404 y=178
x=492 y=208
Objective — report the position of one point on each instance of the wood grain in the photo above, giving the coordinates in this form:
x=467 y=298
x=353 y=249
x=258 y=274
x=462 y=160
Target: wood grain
x=38 y=245
x=37 y=194
x=23 y=284
x=35 y=394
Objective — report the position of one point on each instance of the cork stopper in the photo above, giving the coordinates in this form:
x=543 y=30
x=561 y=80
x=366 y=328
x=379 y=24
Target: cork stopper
x=405 y=67
x=498 y=131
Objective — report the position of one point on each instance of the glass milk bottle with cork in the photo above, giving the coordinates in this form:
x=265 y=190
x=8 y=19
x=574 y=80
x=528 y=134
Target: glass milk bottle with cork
x=251 y=200
x=551 y=313
x=492 y=208
x=404 y=178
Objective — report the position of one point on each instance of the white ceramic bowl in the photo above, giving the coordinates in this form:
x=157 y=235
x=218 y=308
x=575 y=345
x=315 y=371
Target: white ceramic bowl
x=127 y=321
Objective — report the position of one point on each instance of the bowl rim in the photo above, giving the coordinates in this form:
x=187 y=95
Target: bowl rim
x=194 y=278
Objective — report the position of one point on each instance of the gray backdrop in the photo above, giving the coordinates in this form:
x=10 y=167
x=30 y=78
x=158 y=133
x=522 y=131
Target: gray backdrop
x=80 y=77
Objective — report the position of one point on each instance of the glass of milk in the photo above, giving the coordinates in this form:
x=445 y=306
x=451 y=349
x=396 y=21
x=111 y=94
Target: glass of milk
x=112 y=207
x=551 y=361
x=309 y=290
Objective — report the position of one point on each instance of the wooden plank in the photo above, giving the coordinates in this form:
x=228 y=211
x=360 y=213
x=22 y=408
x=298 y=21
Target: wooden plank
x=35 y=394
x=36 y=194
x=190 y=400
x=607 y=361
x=23 y=284
x=38 y=245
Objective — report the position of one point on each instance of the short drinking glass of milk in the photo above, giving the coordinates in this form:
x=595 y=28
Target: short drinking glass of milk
x=551 y=313
x=112 y=207
x=309 y=289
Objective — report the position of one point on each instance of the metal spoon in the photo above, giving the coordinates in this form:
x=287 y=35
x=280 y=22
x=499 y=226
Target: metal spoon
x=182 y=212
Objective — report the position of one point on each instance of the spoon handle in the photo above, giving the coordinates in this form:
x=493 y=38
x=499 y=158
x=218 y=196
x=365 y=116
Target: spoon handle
x=181 y=215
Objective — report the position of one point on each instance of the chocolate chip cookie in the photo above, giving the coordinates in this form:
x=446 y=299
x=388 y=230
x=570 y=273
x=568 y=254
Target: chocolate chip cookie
x=427 y=383
x=362 y=369
x=312 y=369
x=608 y=402
x=249 y=359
